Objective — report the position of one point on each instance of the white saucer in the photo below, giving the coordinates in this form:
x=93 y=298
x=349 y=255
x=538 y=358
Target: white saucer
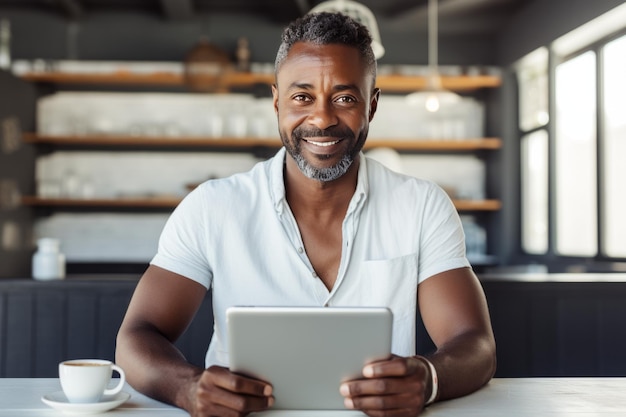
x=58 y=401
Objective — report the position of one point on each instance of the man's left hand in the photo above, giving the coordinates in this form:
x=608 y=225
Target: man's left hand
x=394 y=387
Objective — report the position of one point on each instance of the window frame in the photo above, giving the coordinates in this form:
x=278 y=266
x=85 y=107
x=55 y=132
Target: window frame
x=554 y=261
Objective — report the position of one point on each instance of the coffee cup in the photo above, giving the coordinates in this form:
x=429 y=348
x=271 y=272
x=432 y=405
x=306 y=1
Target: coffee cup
x=87 y=380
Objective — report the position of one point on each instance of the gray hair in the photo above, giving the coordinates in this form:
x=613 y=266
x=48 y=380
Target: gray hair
x=327 y=28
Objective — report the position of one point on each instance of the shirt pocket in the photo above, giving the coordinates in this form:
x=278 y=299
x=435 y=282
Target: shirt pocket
x=392 y=283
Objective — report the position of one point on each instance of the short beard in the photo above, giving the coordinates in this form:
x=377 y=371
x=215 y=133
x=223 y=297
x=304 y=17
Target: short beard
x=322 y=174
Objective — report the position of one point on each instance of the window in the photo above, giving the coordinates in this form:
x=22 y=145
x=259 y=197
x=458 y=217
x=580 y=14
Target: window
x=575 y=156
x=535 y=192
x=532 y=76
x=614 y=155
x=572 y=130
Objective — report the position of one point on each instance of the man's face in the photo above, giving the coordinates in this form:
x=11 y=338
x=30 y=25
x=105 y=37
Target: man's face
x=324 y=100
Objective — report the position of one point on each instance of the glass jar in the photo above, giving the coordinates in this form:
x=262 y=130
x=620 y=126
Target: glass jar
x=48 y=261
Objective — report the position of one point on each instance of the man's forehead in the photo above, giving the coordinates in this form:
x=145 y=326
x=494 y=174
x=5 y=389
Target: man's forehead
x=307 y=61
x=311 y=50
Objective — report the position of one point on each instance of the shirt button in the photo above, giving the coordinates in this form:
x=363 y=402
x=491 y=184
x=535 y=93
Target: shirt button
x=314 y=274
x=300 y=249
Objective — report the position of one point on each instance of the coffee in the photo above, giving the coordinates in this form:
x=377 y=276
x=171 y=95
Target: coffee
x=85 y=364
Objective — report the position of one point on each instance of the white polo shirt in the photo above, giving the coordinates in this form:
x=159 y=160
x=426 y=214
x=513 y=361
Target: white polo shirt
x=238 y=236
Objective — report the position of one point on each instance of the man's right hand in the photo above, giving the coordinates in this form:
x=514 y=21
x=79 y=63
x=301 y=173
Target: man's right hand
x=162 y=307
x=219 y=392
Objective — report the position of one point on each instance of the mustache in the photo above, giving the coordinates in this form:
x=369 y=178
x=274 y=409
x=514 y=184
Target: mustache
x=333 y=132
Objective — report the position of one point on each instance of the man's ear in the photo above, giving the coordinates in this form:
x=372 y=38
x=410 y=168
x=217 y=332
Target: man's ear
x=275 y=98
x=374 y=102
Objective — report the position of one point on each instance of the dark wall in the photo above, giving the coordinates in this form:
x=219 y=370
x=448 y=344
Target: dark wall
x=131 y=36
x=142 y=37
x=543 y=21
x=17 y=172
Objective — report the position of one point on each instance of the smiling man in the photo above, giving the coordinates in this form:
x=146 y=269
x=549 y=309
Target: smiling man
x=318 y=224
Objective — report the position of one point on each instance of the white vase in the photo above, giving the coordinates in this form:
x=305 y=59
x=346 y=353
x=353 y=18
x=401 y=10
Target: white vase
x=48 y=261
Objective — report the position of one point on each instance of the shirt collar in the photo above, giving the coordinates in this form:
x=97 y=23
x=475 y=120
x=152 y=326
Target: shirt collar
x=276 y=179
x=362 y=182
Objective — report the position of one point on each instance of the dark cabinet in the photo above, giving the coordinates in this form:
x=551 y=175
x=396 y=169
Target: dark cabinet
x=44 y=323
x=559 y=328
x=541 y=328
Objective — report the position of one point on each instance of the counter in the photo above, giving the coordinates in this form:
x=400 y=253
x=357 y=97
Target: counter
x=517 y=397
x=549 y=277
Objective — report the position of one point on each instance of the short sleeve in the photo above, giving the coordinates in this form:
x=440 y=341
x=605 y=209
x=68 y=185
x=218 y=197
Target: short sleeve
x=182 y=244
x=442 y=245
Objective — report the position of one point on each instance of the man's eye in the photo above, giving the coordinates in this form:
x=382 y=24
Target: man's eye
x=301 y=97
x=345 y=99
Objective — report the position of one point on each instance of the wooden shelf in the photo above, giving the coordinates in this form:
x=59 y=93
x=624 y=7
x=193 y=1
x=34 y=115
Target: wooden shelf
x=402 y=83
x=170 y=202
x=387 y=83
x=249 y=142
x=149 y=142
x=166 y=79
x=121 y=202
x=477 y=205
x=435 y=144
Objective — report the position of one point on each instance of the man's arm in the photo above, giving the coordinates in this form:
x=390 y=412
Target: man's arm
x=456 y=316
x=162 y=307
x=454 y=310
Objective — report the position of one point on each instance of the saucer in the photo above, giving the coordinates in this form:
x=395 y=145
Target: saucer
x=58 y=401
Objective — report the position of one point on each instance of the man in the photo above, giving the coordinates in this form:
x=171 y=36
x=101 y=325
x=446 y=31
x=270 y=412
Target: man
x=318 y=224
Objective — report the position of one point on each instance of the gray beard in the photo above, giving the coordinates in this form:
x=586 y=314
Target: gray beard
x=321 y=174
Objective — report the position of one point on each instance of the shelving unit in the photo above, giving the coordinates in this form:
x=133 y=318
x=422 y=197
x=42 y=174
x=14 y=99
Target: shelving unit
x=230 y=81
x=85 y=142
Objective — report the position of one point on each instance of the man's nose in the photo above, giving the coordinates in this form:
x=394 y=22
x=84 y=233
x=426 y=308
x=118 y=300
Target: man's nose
x=323 y=115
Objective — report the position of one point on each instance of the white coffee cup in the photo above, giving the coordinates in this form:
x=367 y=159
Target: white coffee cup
x=87 y=380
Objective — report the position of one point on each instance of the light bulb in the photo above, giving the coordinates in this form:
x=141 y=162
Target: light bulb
x=432 y=103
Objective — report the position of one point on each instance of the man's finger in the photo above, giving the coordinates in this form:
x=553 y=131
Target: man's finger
x=223 y=378
x=219 y=388
x=395 y=366
x=380 y=386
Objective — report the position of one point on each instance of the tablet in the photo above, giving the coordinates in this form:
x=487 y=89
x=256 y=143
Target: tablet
x=306 y=352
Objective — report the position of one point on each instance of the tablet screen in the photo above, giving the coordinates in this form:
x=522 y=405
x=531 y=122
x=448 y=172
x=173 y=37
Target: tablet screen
x=306 y=352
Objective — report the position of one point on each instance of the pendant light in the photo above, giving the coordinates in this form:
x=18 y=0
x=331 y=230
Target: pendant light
x=434 y=96
x=358 y=12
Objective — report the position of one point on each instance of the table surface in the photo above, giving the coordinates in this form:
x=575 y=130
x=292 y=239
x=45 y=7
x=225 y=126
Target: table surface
x=522 y=397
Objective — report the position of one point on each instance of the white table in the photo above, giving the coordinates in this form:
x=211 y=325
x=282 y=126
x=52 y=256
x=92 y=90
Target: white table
x=524 y=397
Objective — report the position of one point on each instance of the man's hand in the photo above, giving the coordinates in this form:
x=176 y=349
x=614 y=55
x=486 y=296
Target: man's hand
x=395 y=387
x=220 y=392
